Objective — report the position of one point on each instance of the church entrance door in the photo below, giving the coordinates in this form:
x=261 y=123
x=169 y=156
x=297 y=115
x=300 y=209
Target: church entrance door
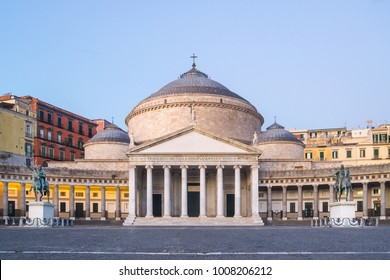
x=230 y=205
x=193 y=204
x=157 y=205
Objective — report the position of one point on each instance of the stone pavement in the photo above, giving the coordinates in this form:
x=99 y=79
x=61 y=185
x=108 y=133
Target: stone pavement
x=183 y=243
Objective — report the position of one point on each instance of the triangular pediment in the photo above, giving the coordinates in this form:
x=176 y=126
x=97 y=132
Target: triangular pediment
x=191 y=141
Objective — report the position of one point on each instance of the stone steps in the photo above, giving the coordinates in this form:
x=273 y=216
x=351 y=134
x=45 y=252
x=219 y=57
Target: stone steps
x=193 y=221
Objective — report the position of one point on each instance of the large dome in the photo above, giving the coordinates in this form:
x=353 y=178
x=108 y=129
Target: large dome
x=194 y=82
x=194 y=100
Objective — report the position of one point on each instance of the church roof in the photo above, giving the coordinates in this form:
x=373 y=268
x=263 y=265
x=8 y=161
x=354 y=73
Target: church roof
x=277 y=133
x=194 y=82
x=112 y=133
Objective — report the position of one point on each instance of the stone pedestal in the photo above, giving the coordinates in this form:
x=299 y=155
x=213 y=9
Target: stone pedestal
x=342 y=210
x=40 y=213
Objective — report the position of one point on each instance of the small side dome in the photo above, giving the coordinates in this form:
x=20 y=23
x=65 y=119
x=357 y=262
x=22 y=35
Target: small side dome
x=278 y=143
x=111 y=134
x=275 y=133
x=111 y=143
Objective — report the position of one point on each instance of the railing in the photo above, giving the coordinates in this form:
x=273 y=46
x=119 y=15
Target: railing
x=345 y=222
x=37 y=222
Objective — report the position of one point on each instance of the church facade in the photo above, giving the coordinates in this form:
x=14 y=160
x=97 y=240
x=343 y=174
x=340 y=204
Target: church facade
x=195 y=154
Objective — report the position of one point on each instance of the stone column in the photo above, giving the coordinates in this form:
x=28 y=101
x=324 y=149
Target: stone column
x=88 y=203
x=184 y=192
x=269 y=203
x=255 y=190
x=383 y=200
x=365 y=200
x=132 y=192
x=331 y=193
x=5 y=200
x=23 y=199
x=103 y=203
x=56 y=201
x=167 y=191
x=299 y=202
x=220 y=200
x=118 y=203
x=237 y=191
x=284 y=203
x=315 y=204
x=202 y=195
x=71 y=203
x=149 y=191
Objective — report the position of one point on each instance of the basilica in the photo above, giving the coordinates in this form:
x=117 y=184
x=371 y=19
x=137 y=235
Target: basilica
x=196 y=154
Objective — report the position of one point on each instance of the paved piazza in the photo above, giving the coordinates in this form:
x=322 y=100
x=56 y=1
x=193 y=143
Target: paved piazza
x=198 y=243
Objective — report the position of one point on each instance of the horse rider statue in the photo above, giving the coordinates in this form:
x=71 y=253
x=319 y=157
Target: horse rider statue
x=39 y=183
x=343 y=183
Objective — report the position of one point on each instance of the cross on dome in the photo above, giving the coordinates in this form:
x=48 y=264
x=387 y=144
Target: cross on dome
x=193 y=60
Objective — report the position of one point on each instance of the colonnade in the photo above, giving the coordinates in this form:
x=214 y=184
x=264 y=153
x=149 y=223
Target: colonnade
x=56 y=201
x=167 y=210
x=315 y=188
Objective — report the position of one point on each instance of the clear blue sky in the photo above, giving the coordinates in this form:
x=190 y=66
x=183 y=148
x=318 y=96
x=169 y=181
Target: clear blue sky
x=313 y=64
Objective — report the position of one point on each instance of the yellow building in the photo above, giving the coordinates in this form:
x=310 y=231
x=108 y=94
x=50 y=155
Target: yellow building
x=351 y=147
x=17 y=126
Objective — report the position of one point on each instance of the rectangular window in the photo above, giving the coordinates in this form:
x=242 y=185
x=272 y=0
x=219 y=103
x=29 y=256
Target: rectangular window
x=95 y=194
x=62 y=207
x=59 y=121
x=309 y=155
x=49 y=135
x=28 y=129
x=388 y=153
x=376 y=191
x=81 y=128
x=70 y=125
x=79 y=194
x=375 y=138
x=62 y=155
x=41 y=115
x=292 y=207
x=81 y=156
x=322 y=156
x=362 y=153
x=325 y=206
x=43 y=151
x=51 y=152
x=126 y=195
x=95 y=207
x=89 y=132
x=41 y=132
x=349 y=154
x=72 y=156
x=70 y=141
x=49 y=118
x=335 y=154
x=59 y=138
x=376 y=153
x=360 y=206
x=63 y=194
x=28 y=149
x=383 y=138
x=80 y=144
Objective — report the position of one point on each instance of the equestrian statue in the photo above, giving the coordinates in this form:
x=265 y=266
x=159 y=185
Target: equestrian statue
x=343 y=183
x=39 y=182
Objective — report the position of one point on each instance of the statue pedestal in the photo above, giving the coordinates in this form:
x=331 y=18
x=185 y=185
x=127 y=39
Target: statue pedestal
x=40 y=213
x=341 y=213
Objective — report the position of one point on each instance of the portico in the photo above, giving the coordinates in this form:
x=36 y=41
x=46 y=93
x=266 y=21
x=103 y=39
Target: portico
x=193 y=175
